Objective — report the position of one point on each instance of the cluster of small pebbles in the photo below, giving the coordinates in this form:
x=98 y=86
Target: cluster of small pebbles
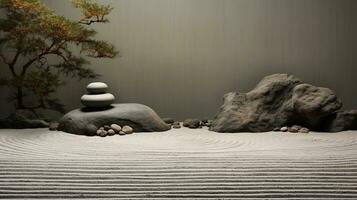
x=172 y=123
x=196 y=123
x=293 y=129
x=114 y=129
x=190 y=123
x=206 y=122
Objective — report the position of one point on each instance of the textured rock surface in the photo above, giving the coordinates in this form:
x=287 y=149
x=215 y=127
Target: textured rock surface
x=342 y=120
x=267 y=106
x=278 y=100
x=140 y=117
x=314 y=103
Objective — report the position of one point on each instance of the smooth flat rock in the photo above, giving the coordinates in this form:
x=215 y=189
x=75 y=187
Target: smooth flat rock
x=140 y=117
x=97 y=100
x=97 y=88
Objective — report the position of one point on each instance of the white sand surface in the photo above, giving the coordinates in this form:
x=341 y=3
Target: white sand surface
x=178 y=164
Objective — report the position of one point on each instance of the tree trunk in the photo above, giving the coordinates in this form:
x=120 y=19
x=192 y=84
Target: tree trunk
x=20 y=98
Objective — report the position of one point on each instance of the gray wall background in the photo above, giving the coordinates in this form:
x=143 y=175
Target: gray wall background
x=180 y=56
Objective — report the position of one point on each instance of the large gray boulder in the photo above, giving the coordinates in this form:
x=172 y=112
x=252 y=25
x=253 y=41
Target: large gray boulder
x=312 y=104
x=278 y=100
x=267 y=106
x=140 y=117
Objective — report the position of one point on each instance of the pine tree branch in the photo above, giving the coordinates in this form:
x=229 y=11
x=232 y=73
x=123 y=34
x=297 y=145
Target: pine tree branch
x=91 y=21
x=30 y=62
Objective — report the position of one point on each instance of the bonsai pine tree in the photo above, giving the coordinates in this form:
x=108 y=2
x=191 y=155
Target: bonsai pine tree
x=40 y=48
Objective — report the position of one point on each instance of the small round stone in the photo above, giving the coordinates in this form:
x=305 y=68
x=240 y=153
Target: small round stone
x=103 y=133
x=101 y=128
x=97 y=88
x=121 y=133
x=304 y=130
x=111 y=132
x=176 y=123
x=106 y=127
x=276 y=129
x=127 y=129
x=284 y=129
x=194 y=127
x=176 y=126
x=294 y=129
x=191 y=123
x=116 y=127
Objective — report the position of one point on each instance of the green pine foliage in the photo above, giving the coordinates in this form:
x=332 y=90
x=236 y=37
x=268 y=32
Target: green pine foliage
x=30 y=32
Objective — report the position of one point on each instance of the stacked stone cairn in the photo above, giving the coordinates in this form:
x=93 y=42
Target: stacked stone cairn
x=98 y=98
